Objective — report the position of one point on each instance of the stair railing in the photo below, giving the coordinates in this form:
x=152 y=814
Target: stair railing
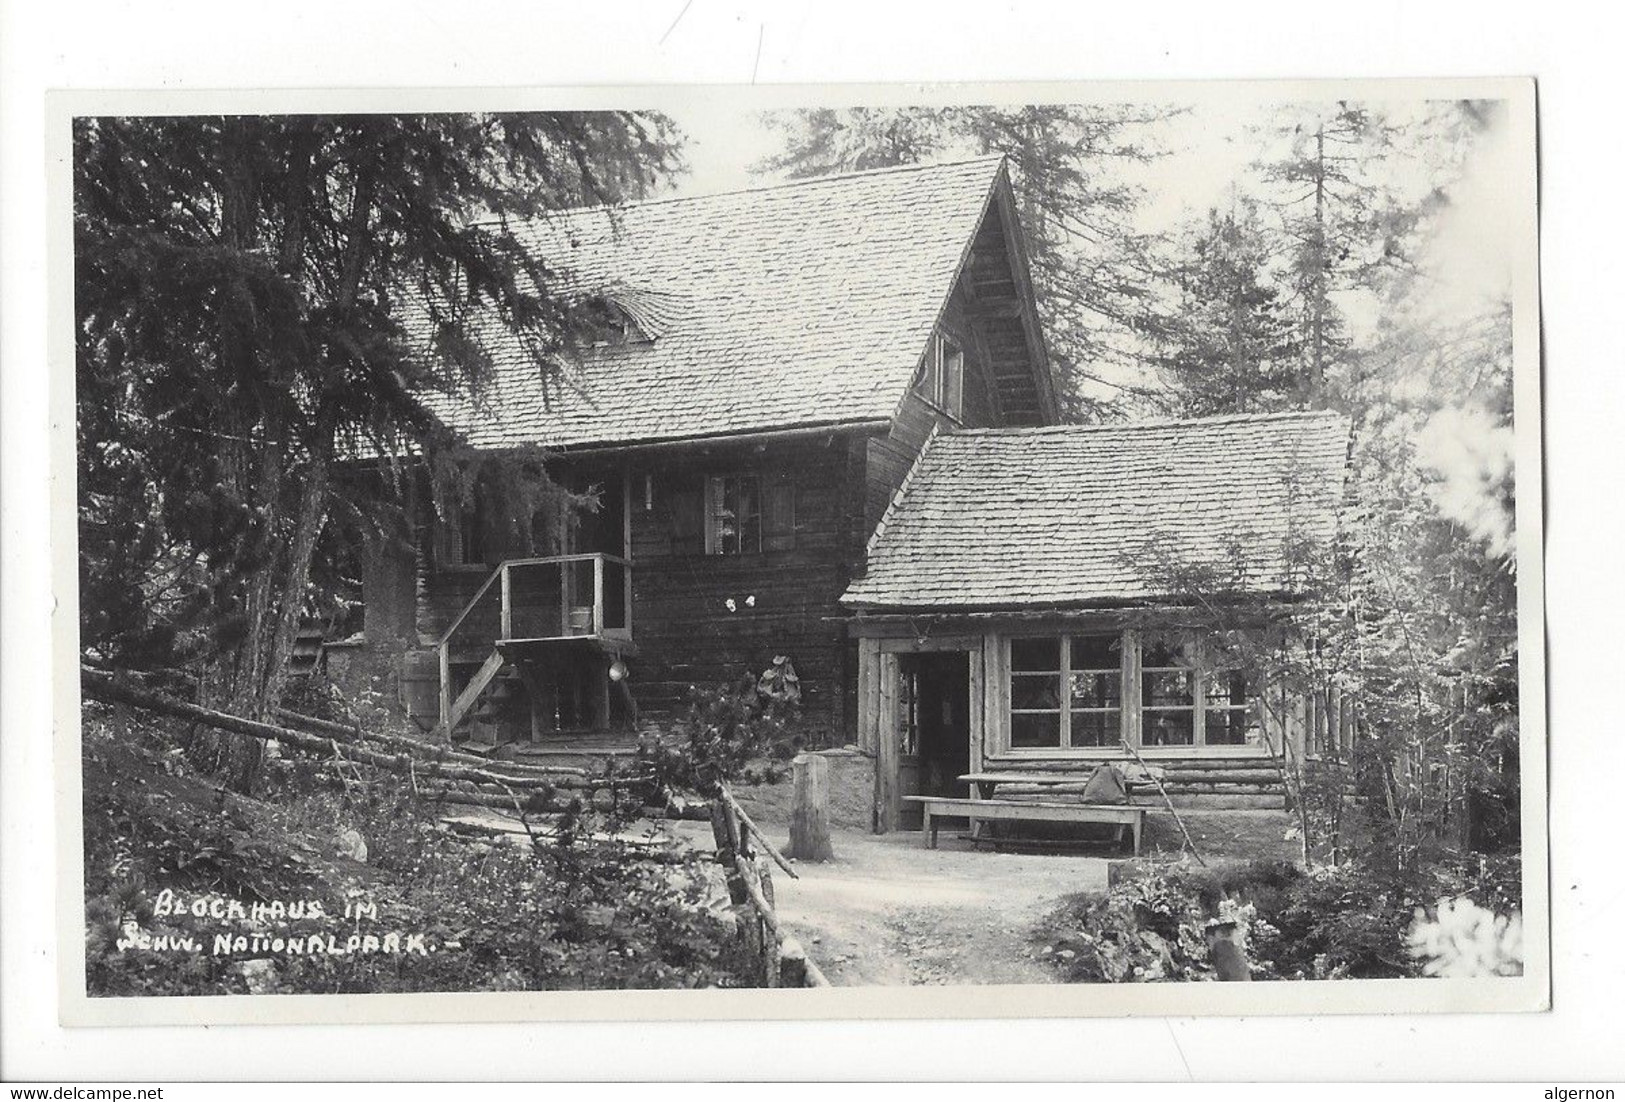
x=443 y=644
x=501 y=579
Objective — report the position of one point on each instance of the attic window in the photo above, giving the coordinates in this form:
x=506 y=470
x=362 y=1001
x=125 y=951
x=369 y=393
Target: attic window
x=942 y=376
x=601 y=323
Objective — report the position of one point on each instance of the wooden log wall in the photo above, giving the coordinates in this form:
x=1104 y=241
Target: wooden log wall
x=685 y=633
x=783 y=602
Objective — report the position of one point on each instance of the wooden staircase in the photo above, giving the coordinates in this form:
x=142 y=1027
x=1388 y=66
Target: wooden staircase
x=544 y=644
x=306 y=657
x=482 y=679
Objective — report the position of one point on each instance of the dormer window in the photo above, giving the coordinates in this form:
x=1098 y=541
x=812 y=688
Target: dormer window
x=601 y=323
x=942 y=376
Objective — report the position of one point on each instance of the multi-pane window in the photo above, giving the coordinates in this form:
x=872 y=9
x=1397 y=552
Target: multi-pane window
x=733 y=515
x=743 y=514
x=1227 y=715
x=1089 y=712
x=1167 y=695
x=942 y=376
x=1095 y=670
x=1186 y=698
x=1035 y=693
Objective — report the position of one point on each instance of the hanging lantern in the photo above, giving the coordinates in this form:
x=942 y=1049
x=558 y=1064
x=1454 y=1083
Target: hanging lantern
x=617 y=670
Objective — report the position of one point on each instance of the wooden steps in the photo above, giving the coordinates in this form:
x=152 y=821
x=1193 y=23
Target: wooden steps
x=306 y=657
x=471 y=693
x=593 y=750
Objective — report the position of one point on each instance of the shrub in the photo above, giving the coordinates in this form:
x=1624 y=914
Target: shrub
x=738 y=732
x=1152 y=927
x=1348 y=921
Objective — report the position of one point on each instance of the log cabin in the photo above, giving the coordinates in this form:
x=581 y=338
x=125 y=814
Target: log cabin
x=1037 y=601
x=769 y=365
x=818 y=421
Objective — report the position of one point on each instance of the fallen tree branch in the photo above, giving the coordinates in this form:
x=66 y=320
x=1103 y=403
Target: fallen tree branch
x=555 y=804
x=102 y=686
x=425 y=750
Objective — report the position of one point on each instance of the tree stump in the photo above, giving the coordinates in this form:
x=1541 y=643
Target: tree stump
x=792 y=964
x=809 y=810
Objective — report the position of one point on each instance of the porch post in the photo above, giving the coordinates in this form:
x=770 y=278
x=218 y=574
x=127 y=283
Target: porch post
x=598 y=594
x=1130 y=712
x=507 y=603
x=887 y=803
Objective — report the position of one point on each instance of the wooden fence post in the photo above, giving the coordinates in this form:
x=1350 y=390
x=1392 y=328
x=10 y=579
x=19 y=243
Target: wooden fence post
x=725 y=831
x=809 y=810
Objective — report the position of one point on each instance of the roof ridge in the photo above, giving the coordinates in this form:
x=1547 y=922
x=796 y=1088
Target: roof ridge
x=774 y=185
x=1153 y=423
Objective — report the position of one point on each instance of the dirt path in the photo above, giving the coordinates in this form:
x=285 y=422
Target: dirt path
x=888 y=911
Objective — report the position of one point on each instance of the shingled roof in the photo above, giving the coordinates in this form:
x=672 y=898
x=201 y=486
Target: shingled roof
x=1066 y=515
x=797 y=305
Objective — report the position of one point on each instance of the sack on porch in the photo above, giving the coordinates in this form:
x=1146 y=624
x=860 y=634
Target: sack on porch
x=1105 y=786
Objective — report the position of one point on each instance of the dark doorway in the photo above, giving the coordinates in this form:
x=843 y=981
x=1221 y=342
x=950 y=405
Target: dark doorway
x=934 y=725
x=603 y=531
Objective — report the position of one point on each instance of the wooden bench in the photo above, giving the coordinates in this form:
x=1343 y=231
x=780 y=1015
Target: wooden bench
x=960 y=807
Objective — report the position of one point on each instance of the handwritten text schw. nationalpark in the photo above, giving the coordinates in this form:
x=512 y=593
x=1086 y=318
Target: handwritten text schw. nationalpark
x=302 y=927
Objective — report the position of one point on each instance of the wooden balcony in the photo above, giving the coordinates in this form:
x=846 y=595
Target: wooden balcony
x=530 y=608
x=561 y=597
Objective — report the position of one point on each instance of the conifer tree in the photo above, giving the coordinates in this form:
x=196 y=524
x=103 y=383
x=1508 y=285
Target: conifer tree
x=240 y=291
x=1232 y=346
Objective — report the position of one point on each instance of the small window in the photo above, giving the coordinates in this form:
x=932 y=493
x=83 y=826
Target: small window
x=733 y=511
x=743 y=514
x=953 y=377
x=942 y=376
x=461 y=539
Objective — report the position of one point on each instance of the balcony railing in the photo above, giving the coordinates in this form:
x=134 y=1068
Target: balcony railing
x=559 y=597
x=534 y=600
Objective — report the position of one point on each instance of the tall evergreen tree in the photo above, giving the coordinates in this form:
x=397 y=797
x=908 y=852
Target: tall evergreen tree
x=240 y=290
x=1323 y=209
x=821 y=140
x=1231 y=345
